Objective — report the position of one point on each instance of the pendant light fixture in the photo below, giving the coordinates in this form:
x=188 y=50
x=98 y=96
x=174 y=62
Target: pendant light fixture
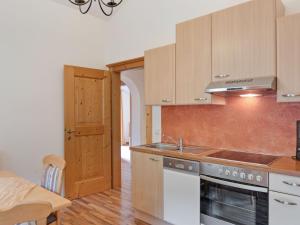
x=107 y=7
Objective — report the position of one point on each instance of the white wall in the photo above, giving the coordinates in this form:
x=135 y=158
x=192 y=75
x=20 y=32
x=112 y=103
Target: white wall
x=125 y=99
x=145 y=24
x=156 y=124
x=134 y=79
x=37 y=38
x=291 y=6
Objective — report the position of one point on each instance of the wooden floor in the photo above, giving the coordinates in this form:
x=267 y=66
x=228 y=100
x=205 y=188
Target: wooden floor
x=108 y=208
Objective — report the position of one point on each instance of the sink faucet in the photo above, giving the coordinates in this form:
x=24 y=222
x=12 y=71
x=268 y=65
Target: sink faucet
x=179 y=143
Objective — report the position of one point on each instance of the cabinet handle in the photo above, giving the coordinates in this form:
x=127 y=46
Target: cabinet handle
x=166 y=100
x=285 y=202
x=200 y=99
x=154 y=160
x=221 y=76
x=290 y=95
x=291 y=183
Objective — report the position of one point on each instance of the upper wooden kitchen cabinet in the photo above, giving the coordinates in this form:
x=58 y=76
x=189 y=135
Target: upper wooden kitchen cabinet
x=147 y=183
x=160 y=76
x=288 y=66
x=244 y=40
x=193 y=62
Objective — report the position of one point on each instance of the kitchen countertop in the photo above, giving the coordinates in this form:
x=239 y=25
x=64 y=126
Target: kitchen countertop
x=282 y=165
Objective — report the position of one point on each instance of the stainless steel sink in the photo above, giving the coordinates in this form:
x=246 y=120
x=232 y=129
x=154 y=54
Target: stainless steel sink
x=164 y=146
x=173 y=147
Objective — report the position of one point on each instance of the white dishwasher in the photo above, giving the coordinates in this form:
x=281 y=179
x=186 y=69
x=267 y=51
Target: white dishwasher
x=181 y=192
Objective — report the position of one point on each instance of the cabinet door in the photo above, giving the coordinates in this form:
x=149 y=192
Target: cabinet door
x=284 y=184
x=147 y=183
x=193 y=62
x=160 y=76
x=244 y=41
x=288 y=59
x=284 y=209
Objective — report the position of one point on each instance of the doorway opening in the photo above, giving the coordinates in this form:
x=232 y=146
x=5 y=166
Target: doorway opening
x=125 y=122
x=141 y=120
x=133 y=114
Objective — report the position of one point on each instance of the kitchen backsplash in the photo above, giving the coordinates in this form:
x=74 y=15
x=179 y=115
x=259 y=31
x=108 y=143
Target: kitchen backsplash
x=258 y=125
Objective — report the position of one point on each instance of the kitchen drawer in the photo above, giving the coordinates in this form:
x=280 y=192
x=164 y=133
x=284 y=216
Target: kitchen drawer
x=284 y=209
x=285 y=184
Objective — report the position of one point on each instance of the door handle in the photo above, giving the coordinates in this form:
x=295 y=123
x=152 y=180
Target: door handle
x=69 y=131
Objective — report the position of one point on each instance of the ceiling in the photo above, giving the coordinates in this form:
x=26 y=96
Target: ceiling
x=292 y=6
x=94 y=11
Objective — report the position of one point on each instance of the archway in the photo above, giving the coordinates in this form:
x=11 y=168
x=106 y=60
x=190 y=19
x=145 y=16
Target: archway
x=134 y=79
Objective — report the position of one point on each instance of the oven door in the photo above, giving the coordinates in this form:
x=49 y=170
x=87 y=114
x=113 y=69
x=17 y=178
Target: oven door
x=229 y=203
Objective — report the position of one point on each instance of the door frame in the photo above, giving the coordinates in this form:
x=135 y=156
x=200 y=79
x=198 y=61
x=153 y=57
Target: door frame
x=115 y=70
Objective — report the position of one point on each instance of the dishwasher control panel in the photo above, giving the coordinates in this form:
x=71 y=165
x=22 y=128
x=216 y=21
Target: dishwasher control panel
x=182 y=165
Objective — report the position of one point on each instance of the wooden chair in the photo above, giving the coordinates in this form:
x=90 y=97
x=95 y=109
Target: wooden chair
x=26 y=212
x=53 y=179
x=53 y=173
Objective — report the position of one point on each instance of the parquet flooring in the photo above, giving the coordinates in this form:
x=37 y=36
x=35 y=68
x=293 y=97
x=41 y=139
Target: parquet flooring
x=109 y=208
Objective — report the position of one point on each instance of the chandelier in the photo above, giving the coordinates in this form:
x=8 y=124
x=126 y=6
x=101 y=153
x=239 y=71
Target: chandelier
x=106 y=7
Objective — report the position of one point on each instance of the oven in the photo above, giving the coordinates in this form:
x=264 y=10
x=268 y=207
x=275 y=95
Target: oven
x=225 y=200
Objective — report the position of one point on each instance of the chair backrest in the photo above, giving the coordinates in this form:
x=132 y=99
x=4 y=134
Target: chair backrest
x=53 y=173
x=37 y=211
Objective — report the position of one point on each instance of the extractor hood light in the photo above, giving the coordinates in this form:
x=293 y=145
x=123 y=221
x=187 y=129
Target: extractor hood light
x=250 y=95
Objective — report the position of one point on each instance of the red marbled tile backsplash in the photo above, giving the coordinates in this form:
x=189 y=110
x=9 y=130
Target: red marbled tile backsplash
x=258 y=125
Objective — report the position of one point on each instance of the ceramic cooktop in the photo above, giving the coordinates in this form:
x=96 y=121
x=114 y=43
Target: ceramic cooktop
x=244 y=157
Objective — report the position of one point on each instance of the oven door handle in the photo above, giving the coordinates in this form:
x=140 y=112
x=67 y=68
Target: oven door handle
x=236 y=185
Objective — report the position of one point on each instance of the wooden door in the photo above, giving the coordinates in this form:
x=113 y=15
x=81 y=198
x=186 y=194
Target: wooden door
x=160 y=76
x=147 y=183
x=288 y=88
x=87 y=131
x=193 y=62
x=244 y=40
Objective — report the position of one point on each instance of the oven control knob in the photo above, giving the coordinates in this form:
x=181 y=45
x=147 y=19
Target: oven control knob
x=220 y=171
x=259 y=178
x=242 y=175
x=234 y=173
x=227 y=172
x=250 y=176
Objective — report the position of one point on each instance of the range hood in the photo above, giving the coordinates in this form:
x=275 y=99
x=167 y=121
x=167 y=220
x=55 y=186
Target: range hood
x=253 y=86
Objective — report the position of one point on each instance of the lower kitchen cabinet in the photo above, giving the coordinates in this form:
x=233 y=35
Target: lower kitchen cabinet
x=284 y=209
x=284 y=199
x=147 y=183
